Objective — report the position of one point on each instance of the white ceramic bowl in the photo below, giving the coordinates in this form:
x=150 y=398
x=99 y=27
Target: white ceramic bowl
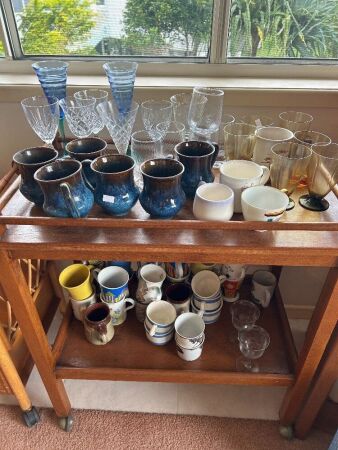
x=263 y=203
x=214 y=201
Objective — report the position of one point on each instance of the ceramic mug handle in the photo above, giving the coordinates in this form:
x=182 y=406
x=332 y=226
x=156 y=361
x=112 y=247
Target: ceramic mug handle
x=103 y=332
x=265 y=175
x=130 y=300
x=86 y=163
x=179 y=270
x=69 y=200
x=214 y=156
x=202 y=310
x=153 y=330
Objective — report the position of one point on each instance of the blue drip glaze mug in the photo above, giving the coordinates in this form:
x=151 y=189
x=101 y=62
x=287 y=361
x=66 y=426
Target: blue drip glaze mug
x=28 y=161
x=65 y=192
x=115 y=189
x=198 y=159
x=162 y=195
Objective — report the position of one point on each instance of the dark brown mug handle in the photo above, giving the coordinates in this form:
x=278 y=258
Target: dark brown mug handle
x=214 y=156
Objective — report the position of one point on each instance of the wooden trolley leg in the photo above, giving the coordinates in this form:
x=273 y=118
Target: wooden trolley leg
x=321 y=327
x=15 y=287
x=321 y=388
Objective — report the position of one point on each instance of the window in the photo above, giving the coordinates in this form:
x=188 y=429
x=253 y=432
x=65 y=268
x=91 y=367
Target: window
x=216 y=31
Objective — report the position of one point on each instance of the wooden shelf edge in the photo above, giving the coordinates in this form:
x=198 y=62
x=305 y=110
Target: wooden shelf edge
x=173 y=376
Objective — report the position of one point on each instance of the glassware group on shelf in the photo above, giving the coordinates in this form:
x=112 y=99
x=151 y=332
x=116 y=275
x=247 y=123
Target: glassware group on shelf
x=189 y=127
x=171 y=300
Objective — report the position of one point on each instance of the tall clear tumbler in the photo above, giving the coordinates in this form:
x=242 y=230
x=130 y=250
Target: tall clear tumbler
x=239 y=140
x=288 y=167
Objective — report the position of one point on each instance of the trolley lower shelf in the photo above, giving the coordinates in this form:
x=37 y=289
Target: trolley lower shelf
x=131 y=357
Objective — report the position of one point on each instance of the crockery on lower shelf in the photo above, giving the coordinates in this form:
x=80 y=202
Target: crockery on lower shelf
x=118 y=310
x=79 y=306
x=98 y=325
x=208 y=316
x=159 y=339
x=189 y=329
x=160 y=317
x=190 y=354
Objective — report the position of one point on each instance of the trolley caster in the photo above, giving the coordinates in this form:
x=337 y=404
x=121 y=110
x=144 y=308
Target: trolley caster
x=286 y=432
x=66 y=423
x=31 y=417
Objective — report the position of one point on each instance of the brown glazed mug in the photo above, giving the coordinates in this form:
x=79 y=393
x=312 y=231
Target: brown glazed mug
x=98 y=325
x=28 y=161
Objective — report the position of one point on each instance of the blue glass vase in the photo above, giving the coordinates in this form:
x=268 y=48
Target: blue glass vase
x=121 y=77
x=52 y=76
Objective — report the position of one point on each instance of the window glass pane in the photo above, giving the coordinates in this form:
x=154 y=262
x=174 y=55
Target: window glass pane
x=2 y=50
x=283 y=29
x=159 y=28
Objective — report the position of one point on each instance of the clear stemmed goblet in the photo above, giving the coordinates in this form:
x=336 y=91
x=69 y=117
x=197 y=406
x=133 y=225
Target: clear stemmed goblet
x=154 y=112
x=322 y=176
x=288 y=167
x=144 y=147
x=205 y=116
x=100 y=96
x=120 y=126
x=171 y=135
x=42 y=115
x=80 y=115
x=252 y=343
x=244 y=315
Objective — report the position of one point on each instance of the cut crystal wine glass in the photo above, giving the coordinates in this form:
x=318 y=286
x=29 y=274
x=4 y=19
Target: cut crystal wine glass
x=100 y=96
x=154 y=112
x=42 y=115
x=252 y=343
x=80 y=115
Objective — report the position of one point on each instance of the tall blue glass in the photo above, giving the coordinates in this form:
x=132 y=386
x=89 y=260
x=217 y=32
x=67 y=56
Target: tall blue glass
x=121 y=77
x=53 y=78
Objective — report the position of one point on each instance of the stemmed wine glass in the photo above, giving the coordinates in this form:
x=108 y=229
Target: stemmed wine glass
x=205 y=111
x=42 y=115
x=244 y=315
x=252 y=343
x=80 y=115
x=100 y=96
x=171 y=134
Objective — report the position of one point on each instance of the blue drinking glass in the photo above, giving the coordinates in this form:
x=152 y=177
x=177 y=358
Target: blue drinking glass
x=121 y=77
x=52 y=76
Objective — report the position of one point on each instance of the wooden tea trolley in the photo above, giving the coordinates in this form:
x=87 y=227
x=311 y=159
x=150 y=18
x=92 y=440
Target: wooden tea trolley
x=303 y=238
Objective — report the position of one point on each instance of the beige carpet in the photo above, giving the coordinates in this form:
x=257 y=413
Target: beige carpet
x=100 y=430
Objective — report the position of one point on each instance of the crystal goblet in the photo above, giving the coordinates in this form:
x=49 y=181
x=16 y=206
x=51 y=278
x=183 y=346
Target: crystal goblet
x=154 y=112
x=288 y=167
x=120 y=126
x=244 y=315
x=322 y=176
x=252 y=343
x=100 y=96
x=171 y=135
x=80 y=115
x=42 y=115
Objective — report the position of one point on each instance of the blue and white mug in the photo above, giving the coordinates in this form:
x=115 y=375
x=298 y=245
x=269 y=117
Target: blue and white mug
x=113 y=280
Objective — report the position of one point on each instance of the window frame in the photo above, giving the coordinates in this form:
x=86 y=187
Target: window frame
x=216 y=65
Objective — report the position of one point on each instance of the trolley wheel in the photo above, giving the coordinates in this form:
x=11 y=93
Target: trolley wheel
x=66 y=423
x=31 y=417
x=286 y=432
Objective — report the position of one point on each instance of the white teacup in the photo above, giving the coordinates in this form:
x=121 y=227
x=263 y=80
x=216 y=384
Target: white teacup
x=160 y=317
x=232 y=271
x=189 y=330
x=241 y=174
x=263 y=203
x=80 y=306
x=118 y=310
x=266 y=137
x=263 y=286
x=213 y=201
x=206 y=285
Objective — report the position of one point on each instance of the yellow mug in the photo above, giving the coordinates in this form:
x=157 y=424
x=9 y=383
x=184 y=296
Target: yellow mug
x=76 y=280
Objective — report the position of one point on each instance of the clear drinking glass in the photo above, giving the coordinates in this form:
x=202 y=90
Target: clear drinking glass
x=252 y=343
x=295 y=120
x=80 y=115
x=100 y=96
x=144 y=147
x=121 y=76
x=181 y=104
x=244 y=315
x=239 y=140
x=257 y=119
x=322 y=176
x=288 y=167
x=120 y=126
x=154 y=112
x=171 y=135
x=42 y=115
x=205 y=116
